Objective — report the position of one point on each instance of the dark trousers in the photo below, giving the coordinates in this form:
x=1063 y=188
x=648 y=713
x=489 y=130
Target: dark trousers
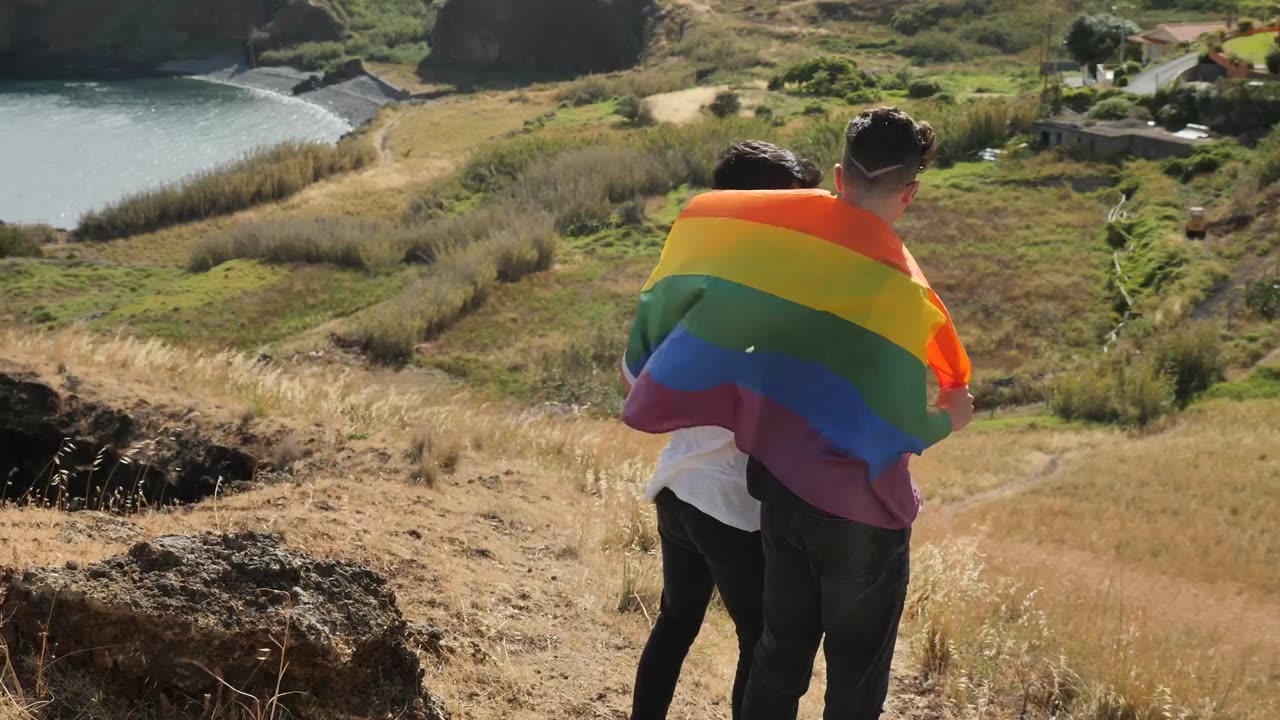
x=698 y=553
x=833 y=576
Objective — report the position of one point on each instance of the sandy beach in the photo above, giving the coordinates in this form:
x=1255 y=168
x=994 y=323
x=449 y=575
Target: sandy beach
x=356 y=100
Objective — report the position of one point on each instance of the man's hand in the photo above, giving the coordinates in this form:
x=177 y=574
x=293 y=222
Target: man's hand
x=958 y=403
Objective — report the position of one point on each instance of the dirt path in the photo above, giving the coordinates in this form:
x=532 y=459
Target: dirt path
x=1040 y=475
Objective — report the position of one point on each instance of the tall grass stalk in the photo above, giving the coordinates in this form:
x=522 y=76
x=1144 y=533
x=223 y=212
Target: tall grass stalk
x=262 y=176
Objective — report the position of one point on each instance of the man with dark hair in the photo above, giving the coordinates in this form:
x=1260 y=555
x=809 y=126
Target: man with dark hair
x=833 y=574
x=708 y=524
x=758 y=165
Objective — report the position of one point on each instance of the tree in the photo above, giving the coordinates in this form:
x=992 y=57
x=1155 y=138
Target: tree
x=1094 y=39
x=726 y=103
x=1273 y=61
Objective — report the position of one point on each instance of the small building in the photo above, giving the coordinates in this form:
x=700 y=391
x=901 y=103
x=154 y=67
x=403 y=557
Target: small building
x=1111 y=138
x=1165 y=41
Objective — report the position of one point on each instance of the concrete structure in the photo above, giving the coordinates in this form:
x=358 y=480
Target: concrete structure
x=1119 y=137
x=1166 y=40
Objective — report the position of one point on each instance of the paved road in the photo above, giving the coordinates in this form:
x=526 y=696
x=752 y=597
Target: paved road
x=1158 y=76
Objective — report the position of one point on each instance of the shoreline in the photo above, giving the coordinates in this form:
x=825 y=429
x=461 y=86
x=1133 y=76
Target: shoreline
x=357 y=100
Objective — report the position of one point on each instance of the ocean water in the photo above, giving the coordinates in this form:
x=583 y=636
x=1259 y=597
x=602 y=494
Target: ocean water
x=66 y=148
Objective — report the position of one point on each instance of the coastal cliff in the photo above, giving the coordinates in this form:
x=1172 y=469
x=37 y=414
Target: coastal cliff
x=574 y=36
x=55 y=35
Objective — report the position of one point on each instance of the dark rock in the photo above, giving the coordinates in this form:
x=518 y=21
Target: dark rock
x=311 y=84
x=349 y=70
x=303 y=21
x=47 y=36
x=575 y=36
x=158 y=623
x=107 y=458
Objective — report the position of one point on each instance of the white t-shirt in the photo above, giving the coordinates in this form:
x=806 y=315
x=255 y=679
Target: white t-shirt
x=704 y=467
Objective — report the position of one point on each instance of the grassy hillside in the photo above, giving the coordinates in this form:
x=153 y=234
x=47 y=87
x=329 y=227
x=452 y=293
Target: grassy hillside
x=1092 y=549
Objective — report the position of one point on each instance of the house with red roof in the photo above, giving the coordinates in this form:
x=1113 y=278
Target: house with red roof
x=1166 y=40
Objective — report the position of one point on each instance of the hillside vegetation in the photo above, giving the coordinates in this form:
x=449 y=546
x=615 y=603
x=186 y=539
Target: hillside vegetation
x=452 y=306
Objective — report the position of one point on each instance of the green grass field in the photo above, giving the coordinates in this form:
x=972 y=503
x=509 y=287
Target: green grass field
x=1253 y=48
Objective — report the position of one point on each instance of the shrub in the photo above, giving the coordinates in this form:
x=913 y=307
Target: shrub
x=1190 y=357
x=1124 y=390
x=1273 y=61
x=635 y=111
x=967 y=128
x=17 y=244
x=824 y=76
x=262 y=176
x=726 y=104
x=939 y=47
x=1112 y=109
x=923 y=88
x=343 y=241
x=640 y=83
x=1132 y=68
x=1263 y=298
x=1203 y=159
x=917 y=16
x=1002 y=33
x=1078 y=99
x=1121 y=81
x=459 y=280
x=764 y=112
x=1246 y=24
x=308 y=55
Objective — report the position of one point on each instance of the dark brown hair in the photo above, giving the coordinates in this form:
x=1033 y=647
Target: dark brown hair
x=758 y=165
x=886 y=146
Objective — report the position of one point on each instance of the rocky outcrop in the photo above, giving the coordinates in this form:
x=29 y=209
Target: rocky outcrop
x=575 y=36
x=46 y=35
x=65 y=451
x=178 y=620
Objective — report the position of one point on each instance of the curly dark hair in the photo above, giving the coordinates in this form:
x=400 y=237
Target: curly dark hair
x=759 y=165
x=887 y=146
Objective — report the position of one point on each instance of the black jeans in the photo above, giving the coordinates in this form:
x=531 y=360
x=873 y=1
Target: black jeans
x=825 y=575
x=698 y=553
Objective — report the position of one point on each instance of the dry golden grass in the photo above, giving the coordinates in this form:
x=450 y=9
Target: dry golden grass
x=1190 y=501
x=1140 y=573
x=1021 y=601
x=456 y=125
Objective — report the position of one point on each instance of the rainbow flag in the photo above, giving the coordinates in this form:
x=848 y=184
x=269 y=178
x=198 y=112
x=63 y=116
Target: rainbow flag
x=803 y=325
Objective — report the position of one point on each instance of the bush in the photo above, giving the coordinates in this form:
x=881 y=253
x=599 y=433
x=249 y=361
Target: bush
x=1112 y=109
x=1121 y=81
x=342 y=241
x=1263 y=298
x=923 y=88
x=635 y=111
x=939 y=47
x=1002 y=33
x=1246 y=24
x=1203 y=160
x=262 y=176
x=917 y=16
x=763 y=112
x=640 y=83
x=459 y=280
x=1132 y=68
x=726 y=104
x=1191 y=358
x=1273 y=61
x=19 y=241
x=966 y=128
x=308 y=55
x=1126 y=391
x=824 y=76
